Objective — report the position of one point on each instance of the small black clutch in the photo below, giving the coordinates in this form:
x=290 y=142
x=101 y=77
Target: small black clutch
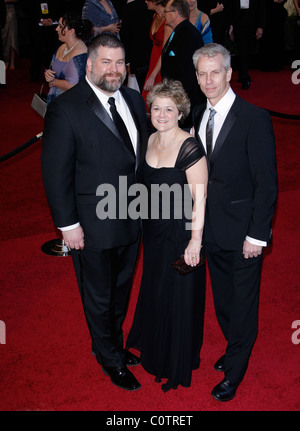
x=180 y=266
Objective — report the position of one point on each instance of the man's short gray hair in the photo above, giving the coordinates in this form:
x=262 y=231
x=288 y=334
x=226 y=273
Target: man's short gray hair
x=211 y=50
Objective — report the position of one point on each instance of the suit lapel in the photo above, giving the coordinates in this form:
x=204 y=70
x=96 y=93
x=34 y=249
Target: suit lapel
x=228 y=123
x=98 y=109
x=197 y=121
x=130 y=105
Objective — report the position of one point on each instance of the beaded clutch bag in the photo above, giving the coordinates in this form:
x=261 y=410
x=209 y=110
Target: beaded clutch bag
x=180 y=266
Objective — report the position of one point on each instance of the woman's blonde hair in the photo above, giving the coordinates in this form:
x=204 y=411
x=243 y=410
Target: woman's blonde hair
x=173 y=90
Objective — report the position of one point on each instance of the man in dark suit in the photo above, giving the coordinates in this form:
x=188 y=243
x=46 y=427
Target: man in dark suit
x=246 y=24
x=177 y=54
x=241 y=197
x=43 y=19
x=135 y=34
x=217 y=12
x=84 y=157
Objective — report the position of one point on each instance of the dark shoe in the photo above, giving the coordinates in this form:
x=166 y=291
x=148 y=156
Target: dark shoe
x=122 y=377
x=246 y=84
x=219 y=365
x=130 y=359
x=224 y=391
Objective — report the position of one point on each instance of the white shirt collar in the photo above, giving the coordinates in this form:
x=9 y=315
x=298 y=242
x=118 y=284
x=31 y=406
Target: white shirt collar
x=223 y=106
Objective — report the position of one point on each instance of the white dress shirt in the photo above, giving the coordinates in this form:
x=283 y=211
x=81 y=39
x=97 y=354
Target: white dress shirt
x=222 y=108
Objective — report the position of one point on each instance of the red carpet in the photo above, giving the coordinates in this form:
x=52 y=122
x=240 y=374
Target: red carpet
x=46 y=363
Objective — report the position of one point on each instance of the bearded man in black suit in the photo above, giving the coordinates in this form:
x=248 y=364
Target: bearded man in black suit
x=84 y=157
x=241 y=197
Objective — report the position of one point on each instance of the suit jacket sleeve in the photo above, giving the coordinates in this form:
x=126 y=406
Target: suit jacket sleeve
x=262 y=160
x=58 y=166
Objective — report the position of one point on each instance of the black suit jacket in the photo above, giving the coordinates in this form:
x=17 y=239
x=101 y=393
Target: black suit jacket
x=242 y=186
x=219 y=20
x=135 y=34
x=256 y=15
x=177 y=59
x=83 y=150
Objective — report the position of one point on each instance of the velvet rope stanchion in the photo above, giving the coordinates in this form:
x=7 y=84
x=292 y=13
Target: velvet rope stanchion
x=56 y=247
x=282 y=115
x=21 y=148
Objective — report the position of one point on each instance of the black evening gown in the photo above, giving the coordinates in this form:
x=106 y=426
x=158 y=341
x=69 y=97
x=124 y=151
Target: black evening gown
x=168 y=324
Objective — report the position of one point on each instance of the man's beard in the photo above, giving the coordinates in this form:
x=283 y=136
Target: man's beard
x=104 y=84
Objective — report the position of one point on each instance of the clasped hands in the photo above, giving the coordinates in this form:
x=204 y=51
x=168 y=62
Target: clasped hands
x=114 y=27
x=49 y=76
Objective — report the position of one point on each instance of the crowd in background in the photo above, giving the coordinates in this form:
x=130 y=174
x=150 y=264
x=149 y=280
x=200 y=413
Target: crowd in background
x=137 y=23
x=232 y=154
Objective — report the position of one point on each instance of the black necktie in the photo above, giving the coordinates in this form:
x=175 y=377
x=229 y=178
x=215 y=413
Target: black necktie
x=209 y=132
x=120 y=123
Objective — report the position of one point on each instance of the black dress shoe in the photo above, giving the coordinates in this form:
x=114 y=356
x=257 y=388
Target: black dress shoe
x=130 y=359
x=219 y=365
x=122 y=377
x=246 y=84
x=224 y=391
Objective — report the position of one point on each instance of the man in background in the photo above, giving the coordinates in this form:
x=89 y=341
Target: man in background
x=177 y=54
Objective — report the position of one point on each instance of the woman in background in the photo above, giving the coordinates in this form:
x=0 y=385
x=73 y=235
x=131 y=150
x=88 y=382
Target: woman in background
x=103 y=15
x=10 y=35
x=217 y=11
x=159 y=34
x=69 y=62
x=201 y=21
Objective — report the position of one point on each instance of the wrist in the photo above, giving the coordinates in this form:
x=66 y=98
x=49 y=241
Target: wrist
x=97 y=30
x=196 y=242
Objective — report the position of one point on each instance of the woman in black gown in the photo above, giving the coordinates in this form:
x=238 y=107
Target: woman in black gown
x=168 y=322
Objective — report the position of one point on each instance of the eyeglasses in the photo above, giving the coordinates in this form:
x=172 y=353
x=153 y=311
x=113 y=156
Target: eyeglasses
x=167 y=11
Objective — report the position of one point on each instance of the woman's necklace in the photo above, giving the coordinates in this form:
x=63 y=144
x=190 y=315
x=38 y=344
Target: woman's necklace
x=166 y=147
x=66 y=51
